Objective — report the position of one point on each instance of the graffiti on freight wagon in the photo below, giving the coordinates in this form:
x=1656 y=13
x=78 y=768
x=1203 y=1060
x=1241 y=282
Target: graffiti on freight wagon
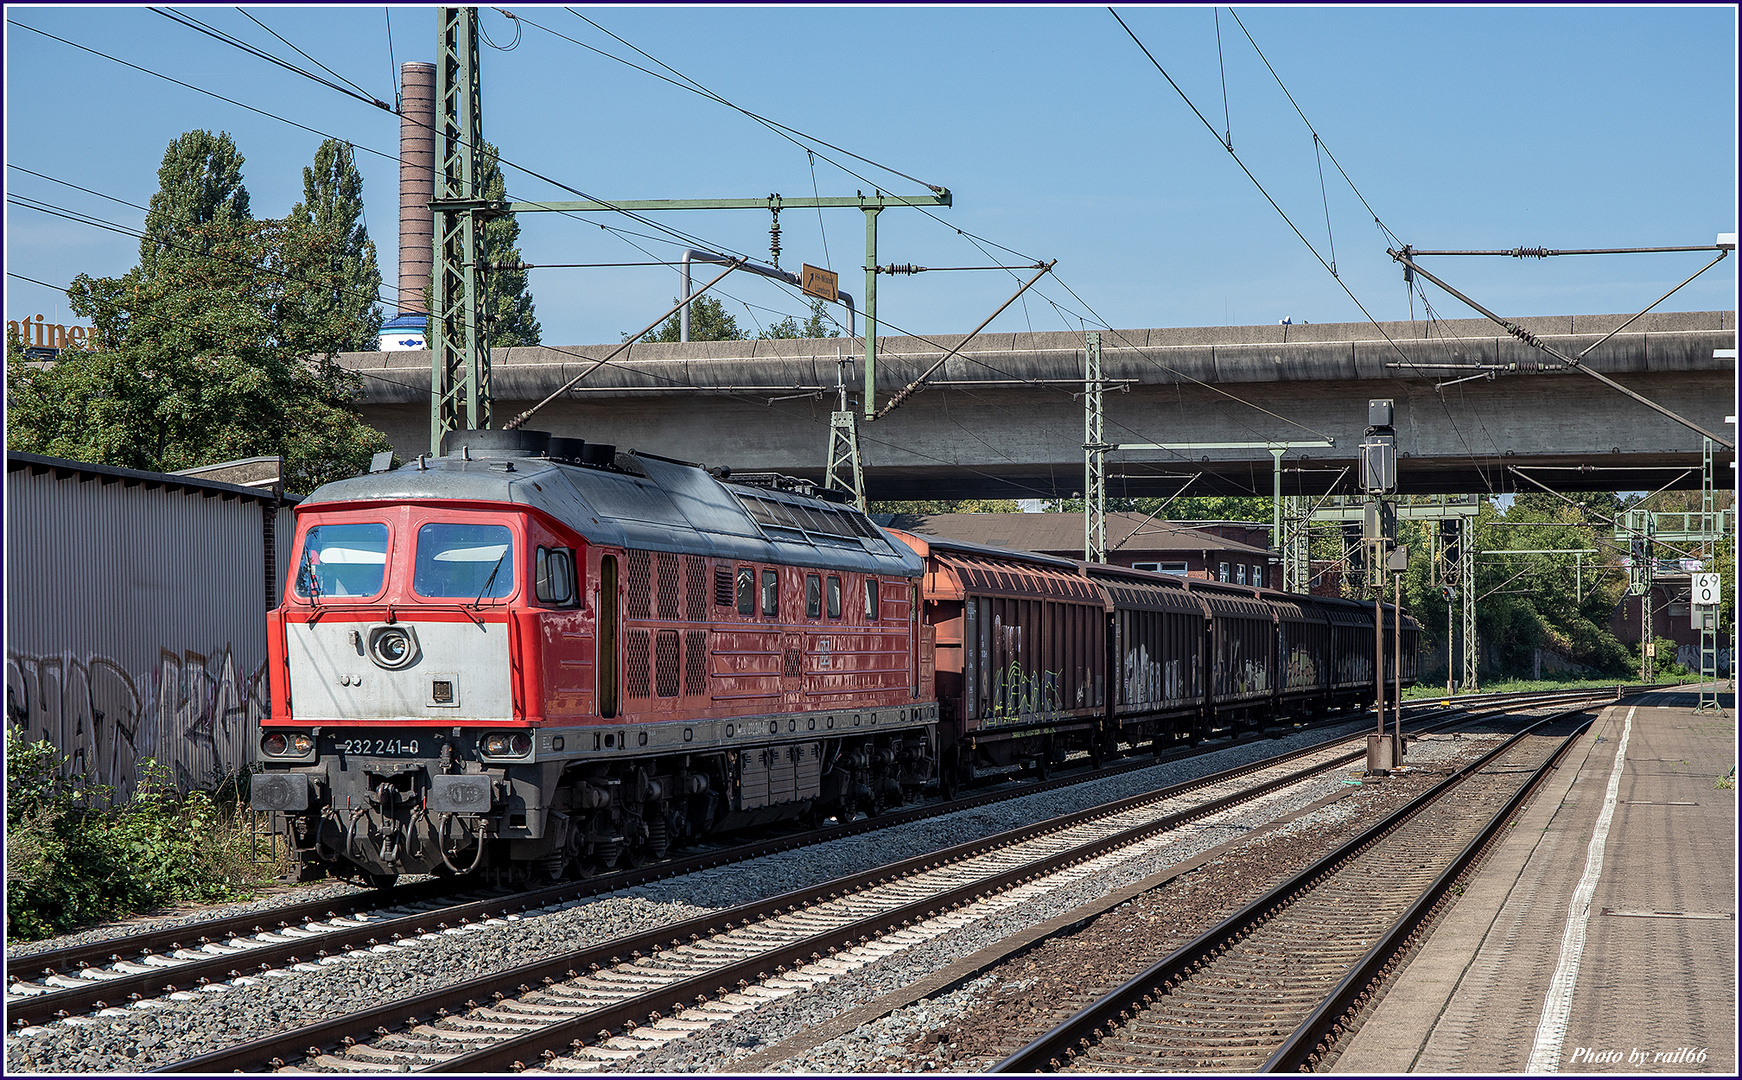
x=1019 y=695
x=192 y=712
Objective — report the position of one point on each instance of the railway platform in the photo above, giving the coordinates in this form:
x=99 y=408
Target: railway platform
x=1600 y=936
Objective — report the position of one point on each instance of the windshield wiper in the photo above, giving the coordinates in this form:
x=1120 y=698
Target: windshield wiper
x=491 y=580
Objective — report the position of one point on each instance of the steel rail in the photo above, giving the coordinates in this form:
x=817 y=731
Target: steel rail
x=1315 y=1037
x=313 y=1040
x=102 y=992
x=1050 y=1051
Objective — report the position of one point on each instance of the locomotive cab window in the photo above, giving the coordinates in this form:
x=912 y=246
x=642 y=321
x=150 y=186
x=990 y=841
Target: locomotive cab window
x=834 y=597
x=342 y=560
x=813 y=596
x=556 y=577
x=746 y=591
x=464 y=560
x=870 y=599
x=770 y=594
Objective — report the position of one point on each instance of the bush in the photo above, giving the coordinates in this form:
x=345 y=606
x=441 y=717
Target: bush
x=75 y=859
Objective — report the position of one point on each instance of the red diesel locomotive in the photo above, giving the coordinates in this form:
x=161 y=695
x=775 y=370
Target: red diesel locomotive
x=539 y=655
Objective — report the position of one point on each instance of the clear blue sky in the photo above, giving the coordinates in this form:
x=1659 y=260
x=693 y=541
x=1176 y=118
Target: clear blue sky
x=1563 y=127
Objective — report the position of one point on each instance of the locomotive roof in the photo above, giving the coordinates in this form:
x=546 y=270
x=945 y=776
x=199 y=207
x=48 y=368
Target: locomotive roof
x=646 y=503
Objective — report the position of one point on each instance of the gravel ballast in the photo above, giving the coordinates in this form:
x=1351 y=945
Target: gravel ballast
x=159 y=1032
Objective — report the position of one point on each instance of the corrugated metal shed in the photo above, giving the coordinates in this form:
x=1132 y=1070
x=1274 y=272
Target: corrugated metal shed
x=136 y=615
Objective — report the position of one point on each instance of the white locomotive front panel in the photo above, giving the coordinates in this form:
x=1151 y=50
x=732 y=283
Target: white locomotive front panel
x=399 y=671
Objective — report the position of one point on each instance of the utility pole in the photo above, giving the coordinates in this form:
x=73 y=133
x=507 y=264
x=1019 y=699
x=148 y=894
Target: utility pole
x=1094 y=454
x=1467 y=585
x=459 y=358
x=845 y=472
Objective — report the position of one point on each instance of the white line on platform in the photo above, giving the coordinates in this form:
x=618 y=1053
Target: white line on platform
x=1557 y=1004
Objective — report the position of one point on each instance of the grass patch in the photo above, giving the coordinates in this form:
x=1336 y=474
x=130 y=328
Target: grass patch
x=1519 y=686
x=76 y=857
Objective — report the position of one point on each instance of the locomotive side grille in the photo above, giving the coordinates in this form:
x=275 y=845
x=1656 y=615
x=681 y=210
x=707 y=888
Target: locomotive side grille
x=794 y=663
x=635 y=664
x=665 y=664
x=667 y=585
x=695 y=663
x=723 y=586
x=640 y=585
x=695 y=574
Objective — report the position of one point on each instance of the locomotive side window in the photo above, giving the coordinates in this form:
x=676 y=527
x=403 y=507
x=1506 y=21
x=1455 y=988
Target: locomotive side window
x=770 y=593
x=870 y=599
x=834 y=597
x=464 y=560
x=813 y=596
x=556 y=576
x=746 y=591
x=342 y=560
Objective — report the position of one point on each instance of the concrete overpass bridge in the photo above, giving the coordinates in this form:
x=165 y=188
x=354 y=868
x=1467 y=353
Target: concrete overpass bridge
x=1005 y=417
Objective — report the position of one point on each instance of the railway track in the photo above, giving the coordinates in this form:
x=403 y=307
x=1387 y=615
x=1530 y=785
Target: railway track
x=659 y=985
x=1275 y=985
x=99 y=978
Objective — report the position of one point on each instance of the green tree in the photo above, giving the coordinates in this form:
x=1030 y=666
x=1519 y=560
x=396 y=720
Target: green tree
x=709 y=321
x=199 y=183
x=230 y=355
x=1194 y=508
x=332 y=202
x=507 y=300
x=948 y=506
x=818 y=325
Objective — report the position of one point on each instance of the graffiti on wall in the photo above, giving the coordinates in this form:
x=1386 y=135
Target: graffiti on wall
x=192 y=712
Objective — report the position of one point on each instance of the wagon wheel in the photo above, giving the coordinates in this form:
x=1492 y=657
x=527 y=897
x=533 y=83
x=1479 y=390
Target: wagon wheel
x=950 y=776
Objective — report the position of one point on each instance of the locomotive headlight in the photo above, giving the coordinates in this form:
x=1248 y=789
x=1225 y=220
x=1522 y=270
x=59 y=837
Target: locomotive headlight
x=283 y=744
x=392 y=647
x=504 y=744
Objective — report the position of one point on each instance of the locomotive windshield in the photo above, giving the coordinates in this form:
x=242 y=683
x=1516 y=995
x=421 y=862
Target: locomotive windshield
x=342 y=560
x=468 y=561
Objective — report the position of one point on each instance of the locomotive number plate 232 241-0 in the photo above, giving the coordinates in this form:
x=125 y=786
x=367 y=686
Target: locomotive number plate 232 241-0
x=362 y=746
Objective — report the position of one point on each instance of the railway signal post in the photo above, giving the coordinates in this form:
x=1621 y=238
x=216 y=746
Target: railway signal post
x=1378 y=458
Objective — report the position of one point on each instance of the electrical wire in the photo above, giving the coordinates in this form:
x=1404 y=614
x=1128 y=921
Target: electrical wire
x=44 y=207
x=230 y=39
x=309 y=58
